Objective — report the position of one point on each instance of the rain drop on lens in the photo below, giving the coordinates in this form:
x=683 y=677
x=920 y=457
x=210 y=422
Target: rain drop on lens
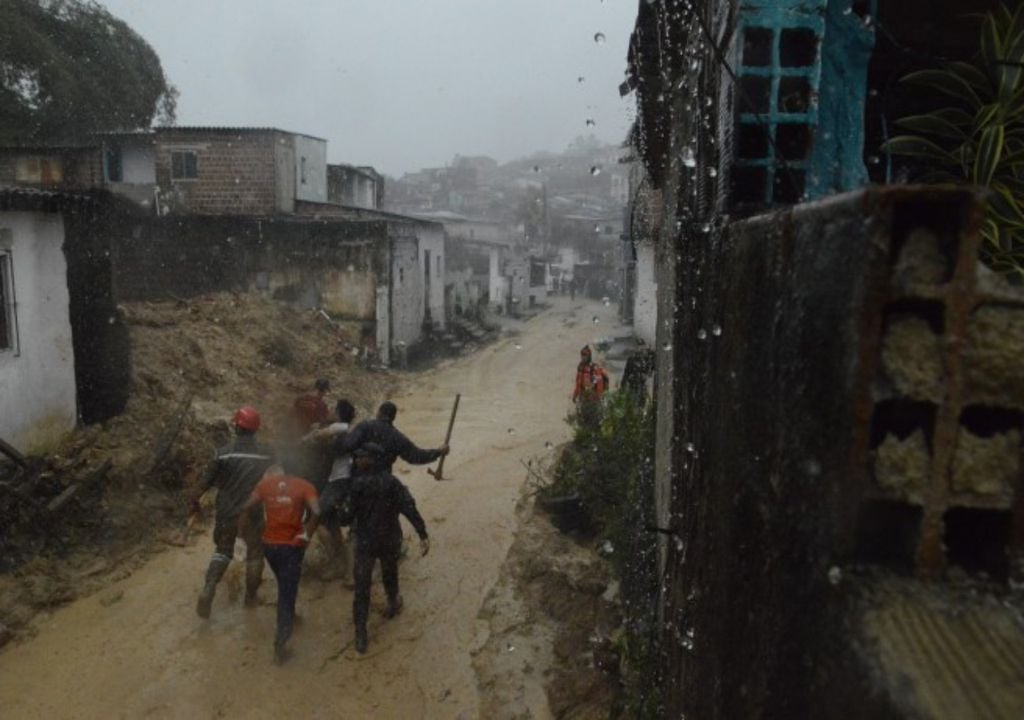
x=835 y=575
x=590 y=122
x=599 y=37
x=595 y=170
x=716 y=330
x=712 y=172
x=702 y=334
x=596 y=320
x=689 y=159
x=518 y=346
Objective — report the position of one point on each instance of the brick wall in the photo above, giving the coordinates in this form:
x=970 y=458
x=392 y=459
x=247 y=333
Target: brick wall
x=236 y=172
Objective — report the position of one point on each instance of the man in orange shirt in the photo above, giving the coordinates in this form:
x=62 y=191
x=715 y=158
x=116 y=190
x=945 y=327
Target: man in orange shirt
x=286 y=501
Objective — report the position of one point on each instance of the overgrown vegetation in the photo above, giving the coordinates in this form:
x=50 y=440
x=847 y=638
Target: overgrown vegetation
x=979 y=138
x=69 y=68
x=607 y=471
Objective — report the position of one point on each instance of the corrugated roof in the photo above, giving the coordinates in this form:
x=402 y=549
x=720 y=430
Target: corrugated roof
x=227 y=130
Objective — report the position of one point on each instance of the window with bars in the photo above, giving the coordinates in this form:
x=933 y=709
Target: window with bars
x=776 y=102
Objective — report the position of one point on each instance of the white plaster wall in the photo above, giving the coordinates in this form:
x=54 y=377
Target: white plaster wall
x=645 y=299
x=37 y=381
x=497 y=284
x=432 y=239
x=138 y=164
x=315 y=152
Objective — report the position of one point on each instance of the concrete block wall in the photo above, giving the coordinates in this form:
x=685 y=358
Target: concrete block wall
x=842 y=391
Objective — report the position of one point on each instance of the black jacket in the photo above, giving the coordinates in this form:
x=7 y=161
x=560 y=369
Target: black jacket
x=377 y=499
x=236 y=469
x=395 y=444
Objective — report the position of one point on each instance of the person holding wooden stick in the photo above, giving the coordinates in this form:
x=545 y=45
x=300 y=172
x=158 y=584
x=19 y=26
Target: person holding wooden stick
x=381 y=430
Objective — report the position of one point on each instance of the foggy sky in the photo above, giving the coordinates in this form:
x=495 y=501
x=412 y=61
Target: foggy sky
x=398 y=84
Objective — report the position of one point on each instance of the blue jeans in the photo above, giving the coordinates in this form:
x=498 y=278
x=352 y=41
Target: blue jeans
x=286 y=562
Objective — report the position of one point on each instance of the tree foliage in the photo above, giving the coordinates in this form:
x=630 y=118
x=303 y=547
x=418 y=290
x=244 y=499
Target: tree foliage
x=68 y=68
x=979 y=137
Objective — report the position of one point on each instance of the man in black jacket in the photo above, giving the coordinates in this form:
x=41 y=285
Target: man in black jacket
x=382 y=432
x=378 y=498
x=236 y=469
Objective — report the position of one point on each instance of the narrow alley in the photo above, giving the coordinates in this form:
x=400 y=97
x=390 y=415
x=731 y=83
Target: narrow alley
x=146 y=654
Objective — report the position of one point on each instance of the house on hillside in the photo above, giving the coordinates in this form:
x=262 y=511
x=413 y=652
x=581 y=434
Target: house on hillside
x=355 y=186
x=491 y=264
x=63 y=348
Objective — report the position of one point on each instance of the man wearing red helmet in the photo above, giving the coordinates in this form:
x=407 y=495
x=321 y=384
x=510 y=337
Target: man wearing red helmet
x=236 y=469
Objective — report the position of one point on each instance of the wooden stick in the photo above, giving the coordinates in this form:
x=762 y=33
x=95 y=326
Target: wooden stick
x=439 y=474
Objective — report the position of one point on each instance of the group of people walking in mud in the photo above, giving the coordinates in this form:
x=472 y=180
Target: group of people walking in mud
x=334 y=474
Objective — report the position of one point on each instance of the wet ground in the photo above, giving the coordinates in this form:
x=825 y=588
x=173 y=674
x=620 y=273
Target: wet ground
x=136 y=648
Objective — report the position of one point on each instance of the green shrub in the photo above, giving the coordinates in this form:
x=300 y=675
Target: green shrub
x=979 y=137
x=609 y=465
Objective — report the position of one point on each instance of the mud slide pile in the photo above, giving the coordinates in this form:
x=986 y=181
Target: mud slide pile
x=111 y=494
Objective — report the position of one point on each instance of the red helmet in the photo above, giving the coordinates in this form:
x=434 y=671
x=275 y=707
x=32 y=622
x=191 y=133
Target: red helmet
x=247 y=418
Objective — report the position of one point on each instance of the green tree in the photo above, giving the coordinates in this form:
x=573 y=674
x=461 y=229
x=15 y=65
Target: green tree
x=68 y=68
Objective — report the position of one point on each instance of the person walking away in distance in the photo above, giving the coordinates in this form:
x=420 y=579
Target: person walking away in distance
x=235 y=470
x=381 y=430
x=291 y=512
x=378 y=498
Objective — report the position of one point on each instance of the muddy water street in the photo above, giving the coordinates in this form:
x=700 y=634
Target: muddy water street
x=137 y=649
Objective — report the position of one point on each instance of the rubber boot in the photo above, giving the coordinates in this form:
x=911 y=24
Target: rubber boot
x=362 y=639
x=394 y=607
x=218 y=565
x=253 y=579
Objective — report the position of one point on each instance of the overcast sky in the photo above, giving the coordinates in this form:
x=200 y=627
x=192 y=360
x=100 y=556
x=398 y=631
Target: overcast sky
x=398 y=84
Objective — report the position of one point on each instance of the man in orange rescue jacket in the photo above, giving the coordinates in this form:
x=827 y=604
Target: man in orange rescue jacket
x=591 y=379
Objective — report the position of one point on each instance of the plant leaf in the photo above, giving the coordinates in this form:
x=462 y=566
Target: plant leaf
x=933 y=124
x=990 y=149
x=914 y=146
x=973 y=76
x=945 y=82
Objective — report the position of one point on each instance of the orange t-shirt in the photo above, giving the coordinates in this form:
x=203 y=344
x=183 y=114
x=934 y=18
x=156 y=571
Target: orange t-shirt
x=284 y=501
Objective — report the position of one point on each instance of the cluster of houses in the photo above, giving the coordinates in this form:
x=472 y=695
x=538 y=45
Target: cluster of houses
x=177 y=211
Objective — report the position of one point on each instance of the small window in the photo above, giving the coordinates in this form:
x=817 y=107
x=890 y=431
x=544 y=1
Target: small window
x=114 y=165
x=184 y=165
x=438 y=266
x=302 y=170
x=8 y=335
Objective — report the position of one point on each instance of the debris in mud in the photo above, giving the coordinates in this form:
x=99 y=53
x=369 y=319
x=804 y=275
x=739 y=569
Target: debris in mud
x=552 y=598
x=74 y=520
x=111 y=597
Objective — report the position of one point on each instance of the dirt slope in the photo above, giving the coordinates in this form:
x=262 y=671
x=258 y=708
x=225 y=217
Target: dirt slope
x=193 y=363
x=138 y=650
